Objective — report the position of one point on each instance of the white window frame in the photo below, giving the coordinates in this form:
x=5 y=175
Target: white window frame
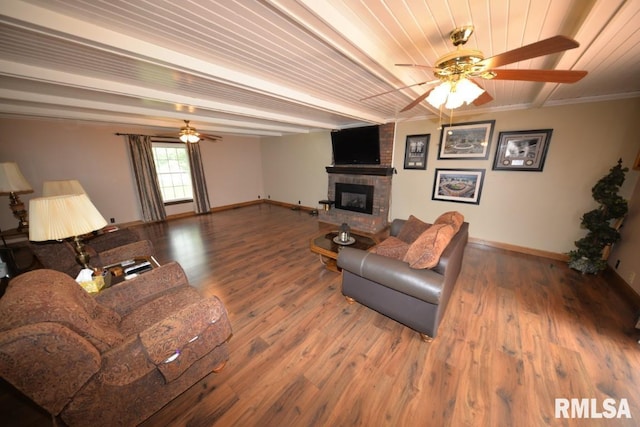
x=174 y=176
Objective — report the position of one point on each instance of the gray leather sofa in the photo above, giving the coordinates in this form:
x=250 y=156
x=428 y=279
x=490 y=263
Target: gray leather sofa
x=417 y=298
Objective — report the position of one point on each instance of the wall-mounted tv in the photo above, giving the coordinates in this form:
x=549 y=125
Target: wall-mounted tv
x=356 y=146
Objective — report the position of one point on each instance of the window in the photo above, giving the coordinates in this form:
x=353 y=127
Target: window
x=174 y=175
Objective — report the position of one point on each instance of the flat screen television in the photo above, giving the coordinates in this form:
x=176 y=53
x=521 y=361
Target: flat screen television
x=356 y=146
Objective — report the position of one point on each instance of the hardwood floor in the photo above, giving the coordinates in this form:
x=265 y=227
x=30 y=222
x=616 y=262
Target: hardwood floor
x=520 y=331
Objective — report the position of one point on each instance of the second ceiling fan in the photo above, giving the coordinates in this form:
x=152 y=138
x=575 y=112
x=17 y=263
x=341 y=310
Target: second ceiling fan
x=189 y=134
x=463 y=68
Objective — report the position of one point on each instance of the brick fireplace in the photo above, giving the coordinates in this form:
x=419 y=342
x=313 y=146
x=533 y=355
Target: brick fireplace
x=361 y=195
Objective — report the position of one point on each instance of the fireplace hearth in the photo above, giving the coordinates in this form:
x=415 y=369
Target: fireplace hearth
x=361 y=198
x=360 y=195
x=354 y=197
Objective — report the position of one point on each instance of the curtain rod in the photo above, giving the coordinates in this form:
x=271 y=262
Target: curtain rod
x=139 y=134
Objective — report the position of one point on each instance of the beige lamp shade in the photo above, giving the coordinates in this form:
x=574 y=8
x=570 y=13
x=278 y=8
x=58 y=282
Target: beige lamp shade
x=60 y=217
x=62 y=187
x=12 y=180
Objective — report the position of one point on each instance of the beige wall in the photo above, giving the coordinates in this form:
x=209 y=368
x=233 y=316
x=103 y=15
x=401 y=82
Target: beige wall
x=537 y=210
x=294 y=168
x=627 y=250
x=93 y=154
x=534 y=210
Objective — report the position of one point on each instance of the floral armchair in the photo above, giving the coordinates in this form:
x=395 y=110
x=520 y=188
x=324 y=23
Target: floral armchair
x=113 y=359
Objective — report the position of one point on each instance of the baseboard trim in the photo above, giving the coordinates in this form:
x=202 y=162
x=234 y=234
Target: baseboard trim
x=622 y=288
x=235 y=206
x=289 y=205
x=519 y=249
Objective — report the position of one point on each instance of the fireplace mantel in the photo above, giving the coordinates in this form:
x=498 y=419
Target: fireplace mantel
x=353 y=170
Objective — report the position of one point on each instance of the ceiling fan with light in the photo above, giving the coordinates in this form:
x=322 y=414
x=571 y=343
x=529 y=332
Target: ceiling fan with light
x=189 y=134
x=459 y=71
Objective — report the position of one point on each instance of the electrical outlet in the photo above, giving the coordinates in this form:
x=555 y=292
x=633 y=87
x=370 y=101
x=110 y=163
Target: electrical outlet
x=113 y=220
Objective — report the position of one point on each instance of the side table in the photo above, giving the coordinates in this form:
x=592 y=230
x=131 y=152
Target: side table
x=128 y=269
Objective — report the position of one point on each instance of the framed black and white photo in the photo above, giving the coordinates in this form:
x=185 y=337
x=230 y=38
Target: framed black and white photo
x=466 y=141
x=524 y=150
x=458 y=185
x=415 y=153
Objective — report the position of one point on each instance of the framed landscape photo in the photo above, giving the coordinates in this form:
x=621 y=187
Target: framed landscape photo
x=466 y=141
x=523 y=150
x=415 y=152
x=458 y=185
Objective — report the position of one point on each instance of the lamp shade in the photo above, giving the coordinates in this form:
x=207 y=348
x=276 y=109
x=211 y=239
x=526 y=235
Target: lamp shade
x=12 y=180
x=62 y=187
x=60 y=217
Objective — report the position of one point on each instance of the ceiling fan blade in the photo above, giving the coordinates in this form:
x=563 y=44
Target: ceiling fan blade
x=400 y=88
x=554 y=76
x=417 y=101
x=214 y=138
x=543 y=47
x=483 y=99
x=415 y=66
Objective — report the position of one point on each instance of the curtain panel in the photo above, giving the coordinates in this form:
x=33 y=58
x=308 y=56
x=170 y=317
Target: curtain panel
x=146 y=178
x=200 y=193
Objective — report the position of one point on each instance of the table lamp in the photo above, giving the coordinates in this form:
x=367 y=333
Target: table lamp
x=64 y=217
x=12 y=182
x=62 y=187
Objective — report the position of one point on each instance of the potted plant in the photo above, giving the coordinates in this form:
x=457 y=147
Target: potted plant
x=592 y=250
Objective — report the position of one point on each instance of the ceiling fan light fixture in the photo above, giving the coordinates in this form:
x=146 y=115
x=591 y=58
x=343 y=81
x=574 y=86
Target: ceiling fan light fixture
x=188 y=134
x=454 y=94
x=190 y=137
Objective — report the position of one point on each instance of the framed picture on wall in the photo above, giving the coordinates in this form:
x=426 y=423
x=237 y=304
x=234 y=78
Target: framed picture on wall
x=524 y=150
x=415 y=152
x=466 y=141
x=458 y=185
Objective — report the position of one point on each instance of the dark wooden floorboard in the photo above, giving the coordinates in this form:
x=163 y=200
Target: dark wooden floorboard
x=519 y=332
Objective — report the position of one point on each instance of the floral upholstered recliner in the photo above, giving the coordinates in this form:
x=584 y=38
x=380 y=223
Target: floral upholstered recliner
x=113 y=359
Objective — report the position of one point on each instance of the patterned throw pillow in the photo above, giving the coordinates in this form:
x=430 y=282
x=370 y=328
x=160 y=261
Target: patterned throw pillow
x=392 y=247
x=425 y=252
x=412 y=229
x=453 y=218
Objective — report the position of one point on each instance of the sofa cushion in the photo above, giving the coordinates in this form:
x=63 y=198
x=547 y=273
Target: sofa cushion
x=454 y=218
x=391 y=247
x=426 y=250
x=412 y=229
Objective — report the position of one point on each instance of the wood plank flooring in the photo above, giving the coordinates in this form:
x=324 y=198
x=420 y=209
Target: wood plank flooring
x=520 y=331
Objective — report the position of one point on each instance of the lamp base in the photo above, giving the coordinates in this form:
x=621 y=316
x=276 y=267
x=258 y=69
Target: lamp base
x=81 y=255
x=17 y=207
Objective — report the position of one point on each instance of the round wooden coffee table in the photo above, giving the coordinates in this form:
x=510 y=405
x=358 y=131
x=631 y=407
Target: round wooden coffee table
x=324 y=245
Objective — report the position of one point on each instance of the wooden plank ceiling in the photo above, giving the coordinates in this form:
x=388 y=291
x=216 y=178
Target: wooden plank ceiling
x=277 y=67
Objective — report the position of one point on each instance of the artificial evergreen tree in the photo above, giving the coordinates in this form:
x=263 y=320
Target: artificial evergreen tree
x=588 y=257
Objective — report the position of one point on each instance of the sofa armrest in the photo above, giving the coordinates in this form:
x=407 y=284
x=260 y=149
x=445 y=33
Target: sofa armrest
x=124 y=297
x=142 y=248
x=176 y=342
x=420 y=283
x=47 y=362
